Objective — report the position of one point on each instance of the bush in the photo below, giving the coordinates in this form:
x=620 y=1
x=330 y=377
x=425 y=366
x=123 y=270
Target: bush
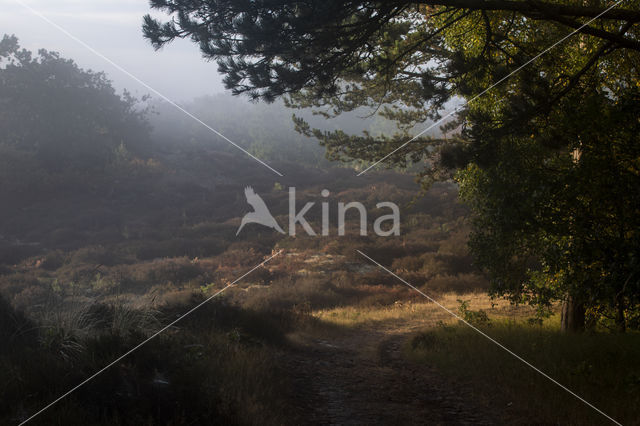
x=53 y=260
x=461 y=283
x=33 y=298
x=476 y=318
x=283 y=294
x=216 y=367
x=408 y=263
x=96 y=255
x=175 y=271
x=14 y=254
x=180 y=247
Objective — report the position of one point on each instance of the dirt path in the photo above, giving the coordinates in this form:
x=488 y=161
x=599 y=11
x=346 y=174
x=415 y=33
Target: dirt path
x=360 y=377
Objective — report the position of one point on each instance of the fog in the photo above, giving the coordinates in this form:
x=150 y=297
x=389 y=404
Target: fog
x=113 y=28
x=172 y=254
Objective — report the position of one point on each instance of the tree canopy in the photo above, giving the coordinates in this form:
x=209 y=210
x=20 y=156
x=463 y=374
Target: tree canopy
x=59 y=115
x=547 y=158
x=269 y=48
x=406 y=59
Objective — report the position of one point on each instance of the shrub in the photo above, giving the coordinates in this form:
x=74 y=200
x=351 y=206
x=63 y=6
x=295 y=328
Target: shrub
x=284 y=294
x=175 y=270
x=33 y=298
x=97 y=255
x=53 y=260
x=408 y=263
x=13 y=254
x=477 y=318
x=461 y=283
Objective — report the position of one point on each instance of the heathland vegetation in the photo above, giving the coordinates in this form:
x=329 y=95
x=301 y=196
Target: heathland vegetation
x=110 y=232
x=119 y=215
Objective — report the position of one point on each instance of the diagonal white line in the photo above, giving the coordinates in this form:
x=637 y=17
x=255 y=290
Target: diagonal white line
x=495 y=341
x=456 y=109
x=139 y=81
x=156 y=334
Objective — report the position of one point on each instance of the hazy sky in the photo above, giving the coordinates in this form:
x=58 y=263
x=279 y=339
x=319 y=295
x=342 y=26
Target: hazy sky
x=112 y=27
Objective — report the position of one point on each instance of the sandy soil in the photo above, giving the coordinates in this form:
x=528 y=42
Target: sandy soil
x=359 y=377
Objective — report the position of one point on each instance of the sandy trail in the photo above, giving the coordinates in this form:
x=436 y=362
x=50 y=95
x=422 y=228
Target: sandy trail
x=359 y=377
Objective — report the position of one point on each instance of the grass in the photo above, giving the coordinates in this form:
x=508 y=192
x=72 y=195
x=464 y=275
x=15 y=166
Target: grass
x=604 y=369
x=355 y=316
x=217 y=366
x=417 y=310
x=223 y=363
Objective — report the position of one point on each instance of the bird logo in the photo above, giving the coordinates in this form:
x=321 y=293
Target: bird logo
x=260 y=213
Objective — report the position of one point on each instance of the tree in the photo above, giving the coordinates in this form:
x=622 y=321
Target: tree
x=552 y=224
x=542 y=233
x=269 y=48
x=60 y=116
x=404 y=59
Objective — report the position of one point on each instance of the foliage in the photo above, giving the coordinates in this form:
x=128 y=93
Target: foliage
x=62 y=116
x=551 y=222
x=547 y=227
x=403 y=59
x=476 y=318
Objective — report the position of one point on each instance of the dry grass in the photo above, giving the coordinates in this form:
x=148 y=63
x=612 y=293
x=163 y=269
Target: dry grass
x=421 y=311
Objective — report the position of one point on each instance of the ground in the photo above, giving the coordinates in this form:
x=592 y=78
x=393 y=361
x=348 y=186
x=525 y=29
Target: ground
x=359 y=375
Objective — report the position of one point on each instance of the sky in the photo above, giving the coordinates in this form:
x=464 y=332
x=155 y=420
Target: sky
x=113 y=28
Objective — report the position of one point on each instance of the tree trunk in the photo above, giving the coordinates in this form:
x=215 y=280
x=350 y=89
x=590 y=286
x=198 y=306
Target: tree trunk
x=573 y=316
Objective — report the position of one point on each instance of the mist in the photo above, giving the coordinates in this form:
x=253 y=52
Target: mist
x=400 y=217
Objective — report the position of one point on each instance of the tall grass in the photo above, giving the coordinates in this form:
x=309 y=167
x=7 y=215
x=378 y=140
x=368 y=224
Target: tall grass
x=216 y=367
x=602 y=368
